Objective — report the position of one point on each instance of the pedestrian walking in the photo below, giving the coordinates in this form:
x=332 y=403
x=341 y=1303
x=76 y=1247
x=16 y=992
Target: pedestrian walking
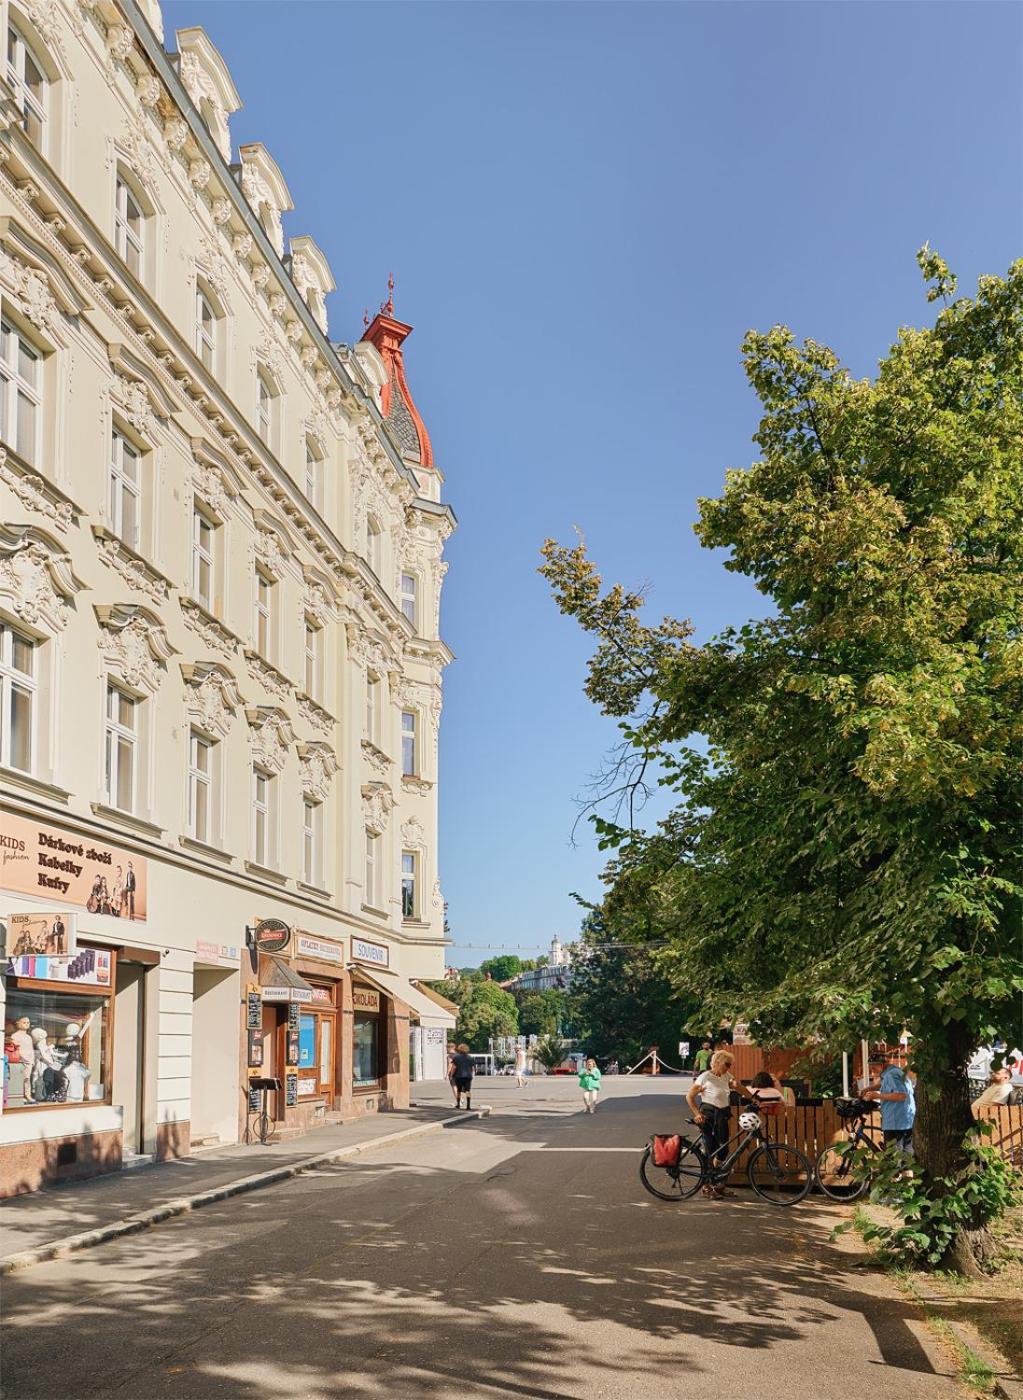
x=894 y=1091
x=703 y=1057
x=715 y=1087
x=461 y=1078
x=521 y=1060
x=589 y=1083
x=451 y=1074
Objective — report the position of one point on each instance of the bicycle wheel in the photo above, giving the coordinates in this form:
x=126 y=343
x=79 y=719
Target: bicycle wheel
x=263 y=1127
x=779 y=1173
x=840 y=1172
x=674 y=1183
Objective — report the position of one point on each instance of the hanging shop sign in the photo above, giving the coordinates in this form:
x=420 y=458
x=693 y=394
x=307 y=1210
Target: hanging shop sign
x=45 y=861
x=308 y=947
x=271 y=936
x=365 y=999
x=374 y=954
x=52 y=935
x=89 y=968
x=286 y=994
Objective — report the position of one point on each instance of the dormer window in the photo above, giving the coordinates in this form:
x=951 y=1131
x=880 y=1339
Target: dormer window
x=129 y=227
x=28 y=82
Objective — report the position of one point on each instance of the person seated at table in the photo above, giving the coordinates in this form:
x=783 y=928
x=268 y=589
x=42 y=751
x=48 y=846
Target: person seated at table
x=769 y=1088
x=998 y=1091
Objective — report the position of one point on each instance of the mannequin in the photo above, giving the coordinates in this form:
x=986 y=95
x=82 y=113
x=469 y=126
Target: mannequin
x=76 y=1072
x=47 y=1079
x=22 y=1041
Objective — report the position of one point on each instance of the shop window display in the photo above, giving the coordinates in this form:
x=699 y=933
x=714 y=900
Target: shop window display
x=366 y=1051
x=55 y=1048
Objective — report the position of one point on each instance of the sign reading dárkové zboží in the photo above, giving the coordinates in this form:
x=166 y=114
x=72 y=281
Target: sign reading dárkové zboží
x=39 y=860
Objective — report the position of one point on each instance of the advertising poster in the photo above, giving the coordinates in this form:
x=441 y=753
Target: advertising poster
x=41 y=860
x=53 y=935
x=89 y=968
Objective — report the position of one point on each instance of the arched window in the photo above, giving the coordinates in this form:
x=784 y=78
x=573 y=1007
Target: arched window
x=27 y=78
x=129 y=226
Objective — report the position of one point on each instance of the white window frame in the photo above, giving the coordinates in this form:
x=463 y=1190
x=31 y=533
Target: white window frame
x=121 y=485
x=372 y=868
x=117 y=733
x=373 y=708
x=130 y=246
x=313 y=475
x=410 y=884
x=267 y=410
x=14 y=385
x=313 y=658
x=374 y=544
x=206 y=340
x=24 y=100
x=410 y=598
x=409 y=744
x=202 y=787
x=202 y=555
x=14 y=681
x=264 y=811
x=312 y=842
x=265 y=611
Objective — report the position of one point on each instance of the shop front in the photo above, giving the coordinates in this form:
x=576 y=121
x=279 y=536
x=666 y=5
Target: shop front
x=432 y=1025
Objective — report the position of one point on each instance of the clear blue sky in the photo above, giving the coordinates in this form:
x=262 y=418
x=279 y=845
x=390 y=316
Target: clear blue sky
x=585 y=207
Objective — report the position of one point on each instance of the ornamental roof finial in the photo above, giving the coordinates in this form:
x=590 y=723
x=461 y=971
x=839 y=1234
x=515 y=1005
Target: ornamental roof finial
x=365 y=318
x=387 y=307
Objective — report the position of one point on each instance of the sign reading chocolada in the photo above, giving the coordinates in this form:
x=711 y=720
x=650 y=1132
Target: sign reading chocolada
x=271 y=936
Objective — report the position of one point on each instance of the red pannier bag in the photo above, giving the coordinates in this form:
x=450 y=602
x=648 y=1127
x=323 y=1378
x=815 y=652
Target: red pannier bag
x=665 y=1149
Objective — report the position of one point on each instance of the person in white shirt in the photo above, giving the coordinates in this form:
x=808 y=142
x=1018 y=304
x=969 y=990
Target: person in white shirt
x=998 y=1091
x=520 y=1065
x=714 y=1087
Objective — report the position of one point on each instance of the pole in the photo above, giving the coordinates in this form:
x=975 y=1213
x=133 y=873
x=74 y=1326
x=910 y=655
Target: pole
x=865 y=1052
x=845 y=1074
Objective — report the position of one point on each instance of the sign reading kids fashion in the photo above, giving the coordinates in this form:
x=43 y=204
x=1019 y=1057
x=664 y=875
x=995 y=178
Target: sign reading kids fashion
x=53 y=935
x=43 y=860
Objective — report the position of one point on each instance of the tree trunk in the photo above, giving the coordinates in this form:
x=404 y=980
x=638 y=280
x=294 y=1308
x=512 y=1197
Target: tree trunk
x=943 y=1120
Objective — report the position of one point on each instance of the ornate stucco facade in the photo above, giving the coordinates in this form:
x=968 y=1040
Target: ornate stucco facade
x=221 y=560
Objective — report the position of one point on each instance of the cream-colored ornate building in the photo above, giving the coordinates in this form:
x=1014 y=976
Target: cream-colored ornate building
x=220 y=660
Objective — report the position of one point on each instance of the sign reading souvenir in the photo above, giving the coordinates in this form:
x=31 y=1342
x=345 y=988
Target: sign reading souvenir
x=253 y=1010
x=376 y=954
x=43 y=860
x=365 y=999
x=89 y=968
x=271 y=936
x=53 y=935
x=308 y=947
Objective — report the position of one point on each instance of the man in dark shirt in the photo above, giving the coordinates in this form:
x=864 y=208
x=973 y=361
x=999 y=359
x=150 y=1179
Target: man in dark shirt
x=461 y=1077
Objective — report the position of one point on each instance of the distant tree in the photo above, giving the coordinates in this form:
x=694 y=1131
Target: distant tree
x=484 y=1010
x=470 y=974
x=540 y=1013
x=550 y=1052
x=502 y=968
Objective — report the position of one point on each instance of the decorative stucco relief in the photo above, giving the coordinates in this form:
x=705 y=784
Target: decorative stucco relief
x=271 y=736
x=36 y=577
x=317 y=764
x=212 y=697
x=134 y=643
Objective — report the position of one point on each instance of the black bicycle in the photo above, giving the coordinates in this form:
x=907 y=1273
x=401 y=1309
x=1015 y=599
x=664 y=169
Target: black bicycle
x=777 y=1171
x=845 y=1169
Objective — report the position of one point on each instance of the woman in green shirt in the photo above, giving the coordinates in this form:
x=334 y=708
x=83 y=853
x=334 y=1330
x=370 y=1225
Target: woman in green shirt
x=589 y=1083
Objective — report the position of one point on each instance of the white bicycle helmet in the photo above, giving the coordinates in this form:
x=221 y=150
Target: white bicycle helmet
x=749 y=1121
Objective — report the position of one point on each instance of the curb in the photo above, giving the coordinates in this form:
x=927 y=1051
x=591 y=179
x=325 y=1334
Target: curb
x=1006 y=1385
x=182 y=1205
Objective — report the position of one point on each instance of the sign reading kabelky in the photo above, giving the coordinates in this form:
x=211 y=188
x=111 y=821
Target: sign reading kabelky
x=375 y=954
x=89 y=968
x=52 y=935
x=42 y=860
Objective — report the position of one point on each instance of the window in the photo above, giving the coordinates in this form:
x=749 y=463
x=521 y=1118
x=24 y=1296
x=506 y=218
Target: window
x=26 y=78
x=373 y=545
x=408 y=743
x=125 y=489
x=409 y=599
x=203 y=540
x=317 y=1033
x=122 y=744
x=312 y=842
x=71 y=1062
x=20 y=396
x=372 y=708
x=313 y=475
x=371 y=869
x=264 y=821
x=262 y=623
x=205 y=330
x=266 y=410
x=313 y=667
x=18 y=682
x=409 y=905
x=129 y=227
x=367 y=1042
x=202 y=756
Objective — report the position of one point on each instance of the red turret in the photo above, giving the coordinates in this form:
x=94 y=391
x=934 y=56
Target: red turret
x=397 y=406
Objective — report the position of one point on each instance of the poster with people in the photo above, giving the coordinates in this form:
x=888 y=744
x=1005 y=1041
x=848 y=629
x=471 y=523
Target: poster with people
x=48 y=935
x=45 y=862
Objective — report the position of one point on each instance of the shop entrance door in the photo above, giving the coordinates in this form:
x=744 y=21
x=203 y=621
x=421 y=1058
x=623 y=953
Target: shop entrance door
x=271 y=1060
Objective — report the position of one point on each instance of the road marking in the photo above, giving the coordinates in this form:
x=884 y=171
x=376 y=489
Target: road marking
x=540 y=1147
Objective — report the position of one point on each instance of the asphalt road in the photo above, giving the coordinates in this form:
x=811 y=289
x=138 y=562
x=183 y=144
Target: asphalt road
x=517 y=1256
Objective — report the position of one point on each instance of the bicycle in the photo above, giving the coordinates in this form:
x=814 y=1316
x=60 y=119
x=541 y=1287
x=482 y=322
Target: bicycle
x=777 y=1171
x=842 y=1170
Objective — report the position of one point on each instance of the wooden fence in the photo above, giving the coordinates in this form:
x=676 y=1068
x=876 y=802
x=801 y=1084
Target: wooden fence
x=811 y=1129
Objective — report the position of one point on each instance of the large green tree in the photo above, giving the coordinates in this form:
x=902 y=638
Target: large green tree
x=485 y=1010
x=844 y=859
x=503 y=967
x=541 y=1013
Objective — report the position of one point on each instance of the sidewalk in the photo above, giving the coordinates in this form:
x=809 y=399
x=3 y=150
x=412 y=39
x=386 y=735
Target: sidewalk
x=59 y=1219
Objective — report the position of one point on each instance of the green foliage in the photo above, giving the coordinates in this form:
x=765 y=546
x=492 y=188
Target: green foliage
x=502 y=968
x=844 y=857
x=550 y=1051
x=541 y=1013
x=485 y=1010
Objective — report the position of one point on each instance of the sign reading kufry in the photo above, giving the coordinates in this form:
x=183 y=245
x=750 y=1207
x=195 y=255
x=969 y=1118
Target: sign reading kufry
x=43 y=860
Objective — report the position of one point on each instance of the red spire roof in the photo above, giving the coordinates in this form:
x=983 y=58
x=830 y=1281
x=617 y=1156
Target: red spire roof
x=397 y=405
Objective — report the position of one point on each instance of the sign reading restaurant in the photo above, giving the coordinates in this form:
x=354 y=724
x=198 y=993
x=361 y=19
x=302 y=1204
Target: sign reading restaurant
x=42 y=860
x=374 y=954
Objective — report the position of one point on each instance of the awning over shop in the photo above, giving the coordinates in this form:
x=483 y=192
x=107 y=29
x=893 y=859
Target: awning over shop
x=422 y=1007
x=279 y=982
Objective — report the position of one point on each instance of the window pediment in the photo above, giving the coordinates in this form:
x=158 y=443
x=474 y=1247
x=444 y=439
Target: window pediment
x=211 y=696
x=317 y=766
x=36 y=577
x=263 y=186
x=206 y=79
x=134 y=643
x=271 y=736
x=311 y=275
